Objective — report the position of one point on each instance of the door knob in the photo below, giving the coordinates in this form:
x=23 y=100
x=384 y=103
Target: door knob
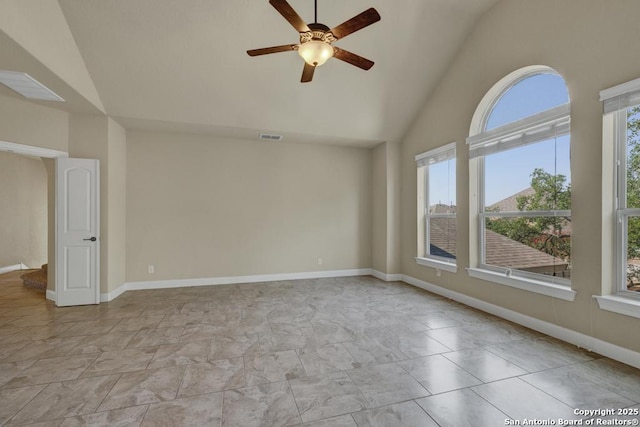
x=93 y=239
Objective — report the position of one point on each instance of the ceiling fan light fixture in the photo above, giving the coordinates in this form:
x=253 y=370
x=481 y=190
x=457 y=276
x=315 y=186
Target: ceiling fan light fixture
x=315 y=52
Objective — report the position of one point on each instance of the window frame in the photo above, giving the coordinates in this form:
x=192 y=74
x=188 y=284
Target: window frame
x=424 y=160
x=622 y=212
x=545 y=125
x=614 y=295
x=620 y=105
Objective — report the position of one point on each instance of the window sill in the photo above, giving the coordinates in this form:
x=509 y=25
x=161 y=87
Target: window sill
x=538 y=287
x=619 y=304
x=437 y=264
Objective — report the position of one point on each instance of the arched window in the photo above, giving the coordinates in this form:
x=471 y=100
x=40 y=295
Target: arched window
x=519 y=152
x=531 y=95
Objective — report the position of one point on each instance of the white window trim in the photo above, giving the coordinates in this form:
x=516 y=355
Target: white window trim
x=437 y=155
x=621 y=96
x=437 y=264
x=616 y=100
x=526 y=284
x=424 y=160
x=547 y=124
x=627 y=305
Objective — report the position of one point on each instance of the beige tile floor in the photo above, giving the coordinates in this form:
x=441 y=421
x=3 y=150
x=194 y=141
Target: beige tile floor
x=330 y=352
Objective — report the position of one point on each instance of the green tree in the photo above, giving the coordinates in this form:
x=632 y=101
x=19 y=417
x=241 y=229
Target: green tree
x=633 y=178
x=548 y=234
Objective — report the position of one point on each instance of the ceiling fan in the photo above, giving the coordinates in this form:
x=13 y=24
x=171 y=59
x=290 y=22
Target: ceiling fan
x=316 y=39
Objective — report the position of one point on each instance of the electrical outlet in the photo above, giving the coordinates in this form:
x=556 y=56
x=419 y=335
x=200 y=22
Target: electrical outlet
x=438 y=272
x=152 y=269
x=320 y=261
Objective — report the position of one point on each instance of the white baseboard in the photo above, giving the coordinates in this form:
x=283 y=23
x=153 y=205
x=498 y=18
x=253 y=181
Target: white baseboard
x=604 y=348
x=386 y=277
x=51 y=295
x=230 y=280
x=13 y=267
x=110 y=296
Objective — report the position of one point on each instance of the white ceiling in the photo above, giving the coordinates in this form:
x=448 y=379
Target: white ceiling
x=182 y=65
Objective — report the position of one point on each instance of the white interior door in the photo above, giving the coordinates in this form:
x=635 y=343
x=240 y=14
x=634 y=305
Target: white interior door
x=77 y=231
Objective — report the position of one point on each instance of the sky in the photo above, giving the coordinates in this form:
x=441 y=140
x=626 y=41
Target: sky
x=509 y=172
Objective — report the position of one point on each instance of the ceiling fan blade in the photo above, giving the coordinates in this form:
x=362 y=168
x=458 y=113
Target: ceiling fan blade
x=290 y=15
x=307 y=73
x=352 y=58
x=274 y=49
x=356 y=23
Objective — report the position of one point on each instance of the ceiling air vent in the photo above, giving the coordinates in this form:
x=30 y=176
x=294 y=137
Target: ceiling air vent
x=27 y=86
x=270 y=137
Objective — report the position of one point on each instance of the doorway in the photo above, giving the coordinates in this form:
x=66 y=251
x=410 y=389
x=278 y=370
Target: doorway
x=27 y=191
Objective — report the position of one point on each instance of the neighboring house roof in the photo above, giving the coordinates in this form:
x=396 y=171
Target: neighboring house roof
x=510 y=204
x=505 y=252
x=442 y=208
x=500 y=250
x=442 y=236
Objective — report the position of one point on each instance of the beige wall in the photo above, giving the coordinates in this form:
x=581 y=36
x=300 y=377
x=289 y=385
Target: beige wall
x=117 y=194
x=591 y=43
x=393 y=208
x=202 y=207
x=385 y=238
x=23 y=211
x=379 y=209
x=23 y=122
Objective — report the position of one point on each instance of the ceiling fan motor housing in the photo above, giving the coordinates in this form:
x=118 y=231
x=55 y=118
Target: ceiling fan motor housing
x=318 y=32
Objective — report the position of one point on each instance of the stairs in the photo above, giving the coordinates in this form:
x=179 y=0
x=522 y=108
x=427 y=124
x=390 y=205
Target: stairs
x=36 y=279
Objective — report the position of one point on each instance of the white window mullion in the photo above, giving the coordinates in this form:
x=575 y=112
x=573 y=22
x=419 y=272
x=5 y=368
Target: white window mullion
x=442 y=215
x=526 y=214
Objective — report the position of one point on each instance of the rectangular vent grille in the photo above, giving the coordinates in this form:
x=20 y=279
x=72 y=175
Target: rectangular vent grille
x=270 y=137
x=27 y=86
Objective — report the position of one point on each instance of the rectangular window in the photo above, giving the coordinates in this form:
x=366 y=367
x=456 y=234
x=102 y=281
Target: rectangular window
x=437 y=207
x=628 y=199
x=527 y=210
x=621 y=193
x=524 y=199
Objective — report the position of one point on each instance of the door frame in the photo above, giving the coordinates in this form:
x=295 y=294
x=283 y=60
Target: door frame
x=33 y=151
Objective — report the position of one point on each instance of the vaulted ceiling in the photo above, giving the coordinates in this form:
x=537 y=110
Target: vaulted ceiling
x=182 y=65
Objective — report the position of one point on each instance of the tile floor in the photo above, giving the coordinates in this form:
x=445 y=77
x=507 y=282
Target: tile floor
x=330 y=352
